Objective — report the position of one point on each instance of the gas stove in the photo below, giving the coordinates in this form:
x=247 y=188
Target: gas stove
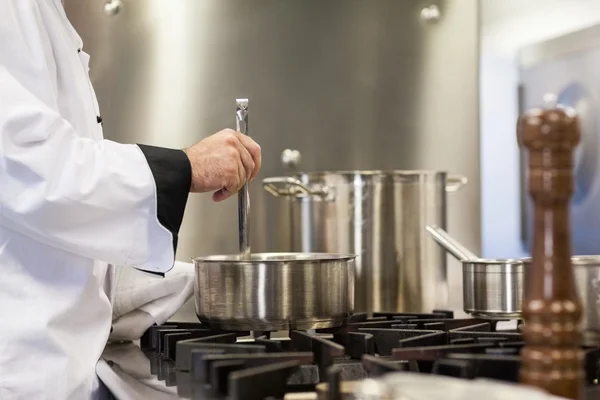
x=201 y=363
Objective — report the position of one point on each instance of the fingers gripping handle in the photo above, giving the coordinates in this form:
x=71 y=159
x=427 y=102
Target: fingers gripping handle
x=241 y=122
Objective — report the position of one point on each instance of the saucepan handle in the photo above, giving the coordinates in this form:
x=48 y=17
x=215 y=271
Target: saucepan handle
x=286 y=186
x=451 y=245
x=455 y=182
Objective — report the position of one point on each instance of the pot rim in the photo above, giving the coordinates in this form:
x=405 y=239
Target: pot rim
x=506 y=266
x=275 y=258
x=495 y=261
x=591 y=260
x=374 y=172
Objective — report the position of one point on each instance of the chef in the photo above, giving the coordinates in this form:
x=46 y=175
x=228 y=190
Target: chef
x=73 y=204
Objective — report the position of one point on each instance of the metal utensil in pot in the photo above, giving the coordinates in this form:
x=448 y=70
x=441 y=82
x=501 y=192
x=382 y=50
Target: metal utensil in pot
x=241 y=119
x=272 y=291
x=492 y=288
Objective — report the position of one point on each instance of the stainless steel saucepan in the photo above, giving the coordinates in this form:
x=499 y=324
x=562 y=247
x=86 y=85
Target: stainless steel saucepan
x=492 y=289
x=272 y=291
x=275 y=291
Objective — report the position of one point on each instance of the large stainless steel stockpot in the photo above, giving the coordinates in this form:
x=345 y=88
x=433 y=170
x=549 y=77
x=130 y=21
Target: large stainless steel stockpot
x=381 y=216
x=274 y=291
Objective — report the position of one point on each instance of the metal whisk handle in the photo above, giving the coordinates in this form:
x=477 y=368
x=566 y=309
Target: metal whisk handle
x=241 y=119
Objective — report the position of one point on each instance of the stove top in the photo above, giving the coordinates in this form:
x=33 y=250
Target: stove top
x=200 y=363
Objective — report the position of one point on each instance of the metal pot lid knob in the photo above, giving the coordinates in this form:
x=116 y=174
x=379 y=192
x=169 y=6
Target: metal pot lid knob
x=431 y=13
x=291 y=158
x=113 y=7
x=552 y=358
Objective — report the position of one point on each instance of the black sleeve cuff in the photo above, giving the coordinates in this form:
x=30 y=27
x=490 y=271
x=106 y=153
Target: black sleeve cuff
x=172 y=173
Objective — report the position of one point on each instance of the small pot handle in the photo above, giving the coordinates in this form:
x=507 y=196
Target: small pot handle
x=451 y=245
x=595 y=282
x=273 y=186
x=455 y=182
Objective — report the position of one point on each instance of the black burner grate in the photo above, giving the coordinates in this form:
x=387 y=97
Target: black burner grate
x=205 y=363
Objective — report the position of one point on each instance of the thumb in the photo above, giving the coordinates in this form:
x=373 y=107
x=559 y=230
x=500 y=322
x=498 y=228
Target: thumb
x=221 y=195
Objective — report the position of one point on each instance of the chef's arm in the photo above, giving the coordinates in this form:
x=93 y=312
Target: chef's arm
x=118 y=203
x=172 y=174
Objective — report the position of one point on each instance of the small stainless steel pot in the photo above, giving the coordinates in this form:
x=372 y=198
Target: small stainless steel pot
x=274 y=291
x=492 y=289
x=587 y=281
x=495 y=288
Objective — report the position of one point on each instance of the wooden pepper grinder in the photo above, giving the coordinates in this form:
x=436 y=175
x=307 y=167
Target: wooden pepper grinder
x=552 y=358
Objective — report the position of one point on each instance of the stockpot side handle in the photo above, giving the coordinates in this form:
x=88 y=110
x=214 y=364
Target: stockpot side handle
x=455 y=182
x=281 y=186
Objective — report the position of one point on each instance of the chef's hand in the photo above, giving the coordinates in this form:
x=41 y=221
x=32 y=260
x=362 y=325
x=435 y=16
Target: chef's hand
x=223 y=162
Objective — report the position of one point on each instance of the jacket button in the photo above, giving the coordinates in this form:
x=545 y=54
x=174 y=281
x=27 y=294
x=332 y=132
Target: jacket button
x=99 y=119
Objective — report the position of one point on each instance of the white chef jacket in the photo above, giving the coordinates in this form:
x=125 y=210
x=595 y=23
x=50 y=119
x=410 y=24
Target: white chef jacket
x=71 y=204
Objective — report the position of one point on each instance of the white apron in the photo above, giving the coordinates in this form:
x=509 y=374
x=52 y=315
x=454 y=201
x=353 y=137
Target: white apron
x=67 y=198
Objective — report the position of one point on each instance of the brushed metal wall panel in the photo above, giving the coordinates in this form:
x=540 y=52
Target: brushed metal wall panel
x=351 y=84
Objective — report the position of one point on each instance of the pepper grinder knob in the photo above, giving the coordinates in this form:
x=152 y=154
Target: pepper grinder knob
x=552 y=358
